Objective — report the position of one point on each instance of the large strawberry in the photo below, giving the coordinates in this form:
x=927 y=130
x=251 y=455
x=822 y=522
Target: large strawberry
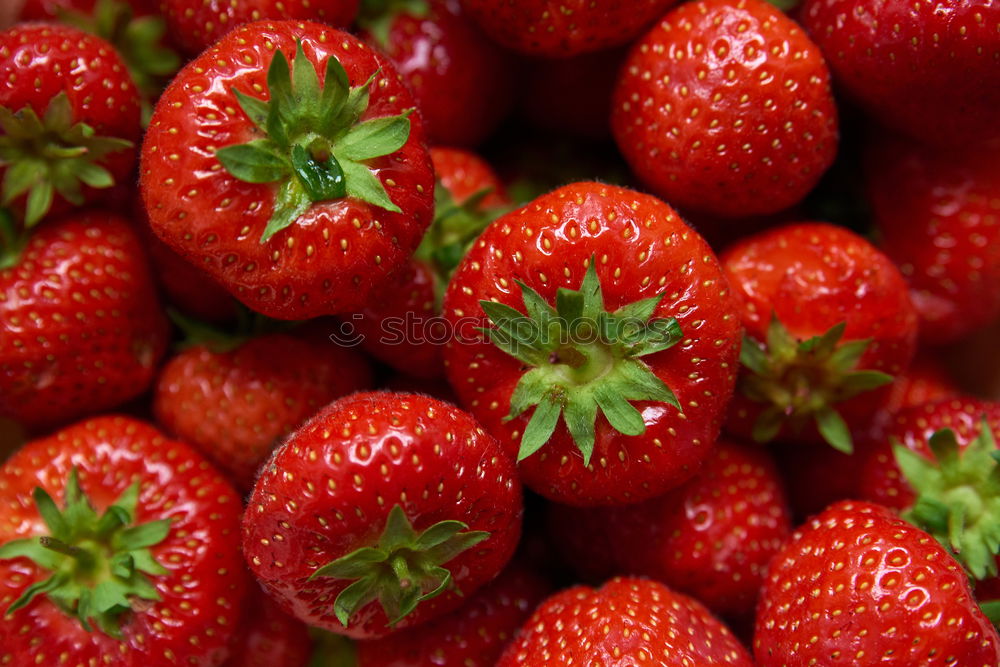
x=197 y=24
x=70 y=118
x=625 y=622
x=380 y=513
x=725 y=108
x=557 y=30
x=711 y=538
x=299 y=187
x=119 y=547
x=463 y=82
x=828 y=321
x=80 y=325
x=937 y=215
x=613 y=349
x=236 y=401
x=859 y=586
x=928 y=68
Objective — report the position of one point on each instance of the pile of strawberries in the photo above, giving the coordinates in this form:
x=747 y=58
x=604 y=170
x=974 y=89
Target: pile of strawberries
x=464 y=333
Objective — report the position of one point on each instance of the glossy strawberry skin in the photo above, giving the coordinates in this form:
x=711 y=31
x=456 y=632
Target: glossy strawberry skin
x=236 y=406
x=926 y=68
x=328 y=489
x=268 y=637
x=462 y=81
x=857 y=584
x=333 y=255
x=463 y=173
x=813 y=276
x=626 y=621
x=938 y=219
x=40 y=60
x=474 y=635
x=725 y=108
x=642 y=249
x=536 y=27
x=197 y=24
x=81 y=326
x=203 y=589
x=711 y=538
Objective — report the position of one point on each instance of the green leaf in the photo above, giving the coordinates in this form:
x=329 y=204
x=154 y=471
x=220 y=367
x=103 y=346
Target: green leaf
x=336 y=88
x=590 y=290
x=992 y=610
x=637 y=382
x=456 y=544
x=59 y=114
x=256 y=110
x=21 y=176
x=438 y=534
x=753 y=357
x=540 y=427
x=31 y=549
x=823 y=346
x=289 y=205
x=580 y=415
x=398 y=530
x=354 y=597
x=254 y=162
x=780 y=343
x=847 y=356
x=834 y=430
x=375 y=138
x=279 y=85
x=144 y=535
x=657 y=336
x=40 y=199
x=364 y=185
x=353 y=565
x=143 y=561
x=768 y=424
x=322 y=181
x=36 y=589
x=305 y=83
x=621 y=414
x=95 y=176
x=50 y=514
x=530 y=390
x=861 y=381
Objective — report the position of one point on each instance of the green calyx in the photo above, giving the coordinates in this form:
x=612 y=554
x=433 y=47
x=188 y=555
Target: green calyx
x=377 y=16
x=582 y=361
x=802 y=381
x=12 y=240
x=315 y=148
x=50 y=155
x=402 y=570
x=98 y=563
x=958 y=496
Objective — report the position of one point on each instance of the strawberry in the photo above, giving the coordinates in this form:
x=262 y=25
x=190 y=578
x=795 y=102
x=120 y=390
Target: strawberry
x=463 y=82
x=858 y=586
x=401 y=324
x=236 y=402
x=710 y=538
x=197 y=24
x=268 y=637
x=70 y=118
x=302 y=204
x=121 y=548
x=828 y=321
x=85 y=336
x=472 y=636
x=725 y=108
x=638 y=356
x=937 y=215
x=537 y=27
x=394 y=498
x=926 y=68
x=625 y=622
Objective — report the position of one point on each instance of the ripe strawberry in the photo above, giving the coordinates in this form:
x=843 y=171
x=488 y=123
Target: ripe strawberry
x=725 y=108
x=538 y=27
x=268 y=637
x=472 y=636
x=937 y=214
x=927 y=68
x=710 y=538
x=463 y=82
x=858 y=586
x=299 y=206
x=401 y=324
x=141 y=537
x=643 y=314
x=70 y=119
x=197 y=24
x=625 y=622
x=236 y=402
x=401 y=494
x=81 y=327
x=828 y=320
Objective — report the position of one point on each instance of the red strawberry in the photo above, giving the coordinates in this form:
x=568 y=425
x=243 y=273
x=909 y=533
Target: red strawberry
x=463 y=82
x=236 y=404
x=268 y=637
x=197 y=24
x=858 y=586
x=828 y=320
x=141 y=537
x=539 y=27
x=301 y=210
x=81 y=327
x=725 y=108
x=927 y=68
x=401 y=325
x=625 y=622
x=937 y=214
x=398 y=498
x=650 y=321
x=472 y=636
x=711 y=538
x=70 y=118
